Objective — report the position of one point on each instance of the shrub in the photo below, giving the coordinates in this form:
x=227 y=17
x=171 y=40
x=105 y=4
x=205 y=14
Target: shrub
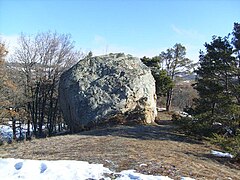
x=192 y=125
x=229 y=144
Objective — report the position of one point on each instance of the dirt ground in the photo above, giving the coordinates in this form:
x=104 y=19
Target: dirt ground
x=153 y=149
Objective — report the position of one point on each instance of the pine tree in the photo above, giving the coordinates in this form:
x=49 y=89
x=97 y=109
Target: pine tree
x=174 y=62
x=163 y=81
x=166 y=67
x=216 y=78
x=236 y=43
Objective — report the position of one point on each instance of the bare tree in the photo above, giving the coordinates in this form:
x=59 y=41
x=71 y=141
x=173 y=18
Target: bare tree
x=41 y=61
x=3 y=53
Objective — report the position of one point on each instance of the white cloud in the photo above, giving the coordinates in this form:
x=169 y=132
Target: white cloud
x=177 y=30
x=188 y=33
x=11 y=42
x=193 y=41
x=99 y=40
x=101 y=46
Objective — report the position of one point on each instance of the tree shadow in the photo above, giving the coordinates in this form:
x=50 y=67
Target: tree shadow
x=142 y=132
x=227 y=161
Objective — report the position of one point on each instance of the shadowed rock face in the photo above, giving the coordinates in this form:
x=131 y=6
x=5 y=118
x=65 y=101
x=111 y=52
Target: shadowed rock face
x=114 y=88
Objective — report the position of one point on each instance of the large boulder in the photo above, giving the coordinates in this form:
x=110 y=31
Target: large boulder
x=114 y=88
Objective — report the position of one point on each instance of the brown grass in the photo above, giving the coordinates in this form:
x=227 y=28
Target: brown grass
x=155 y=149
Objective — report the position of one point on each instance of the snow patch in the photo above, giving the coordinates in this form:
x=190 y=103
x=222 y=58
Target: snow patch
x=221 y=154
x=6 y=133
x=187 y=178
x=62 y=170
x=142 y=165
x=131 y=174
x=12 y=169
x=161 y=109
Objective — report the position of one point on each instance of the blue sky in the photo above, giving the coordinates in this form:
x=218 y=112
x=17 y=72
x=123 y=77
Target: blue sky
x=138 y=27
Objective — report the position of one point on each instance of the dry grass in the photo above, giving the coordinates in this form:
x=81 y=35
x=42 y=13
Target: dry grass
x=155 y=149
x=164 y=115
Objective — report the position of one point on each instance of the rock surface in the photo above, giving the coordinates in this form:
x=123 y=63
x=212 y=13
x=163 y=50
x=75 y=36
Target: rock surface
x=114 y=88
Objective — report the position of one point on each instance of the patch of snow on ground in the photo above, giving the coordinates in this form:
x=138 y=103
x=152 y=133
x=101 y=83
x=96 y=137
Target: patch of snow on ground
x=6 y=133
x=221 y=154
x=183 y=114
x=186 y=178
x=142 y=165
x=161 y=109
x=131 y=174
x=11 y=169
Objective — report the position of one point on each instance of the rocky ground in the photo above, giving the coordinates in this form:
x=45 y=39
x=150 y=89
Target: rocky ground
x=155 y=149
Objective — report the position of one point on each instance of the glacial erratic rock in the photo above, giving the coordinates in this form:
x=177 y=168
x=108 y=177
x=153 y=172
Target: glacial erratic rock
x=114 y=88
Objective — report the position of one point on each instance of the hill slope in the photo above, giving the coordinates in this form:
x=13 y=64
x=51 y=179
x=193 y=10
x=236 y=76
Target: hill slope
x=157 y=150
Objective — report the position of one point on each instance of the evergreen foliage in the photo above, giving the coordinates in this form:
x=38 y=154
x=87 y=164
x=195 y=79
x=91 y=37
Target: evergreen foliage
x=217 y=110
x=216 y=83
x=173 y=60
x=165 y=69
x=163 y=81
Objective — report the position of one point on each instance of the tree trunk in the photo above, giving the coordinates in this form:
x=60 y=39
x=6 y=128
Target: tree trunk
x=28 y=135
x=213 y=108
x=169 y=100
x=42 y=113
x=51 y=111
x=14 y=128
